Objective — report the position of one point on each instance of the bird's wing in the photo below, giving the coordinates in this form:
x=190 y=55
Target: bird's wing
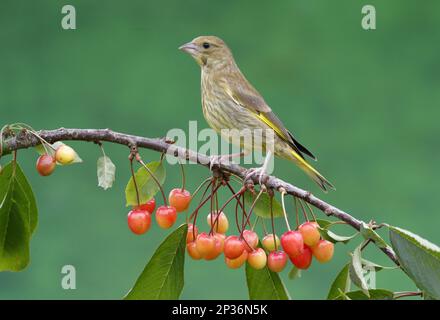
x=249 y=98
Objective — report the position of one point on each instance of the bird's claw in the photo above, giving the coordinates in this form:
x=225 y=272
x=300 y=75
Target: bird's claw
x=260 y=172
x=217 y=160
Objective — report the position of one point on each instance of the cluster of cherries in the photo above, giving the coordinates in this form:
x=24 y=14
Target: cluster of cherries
x=299 y=246
x=47 y=163
x=139 y=218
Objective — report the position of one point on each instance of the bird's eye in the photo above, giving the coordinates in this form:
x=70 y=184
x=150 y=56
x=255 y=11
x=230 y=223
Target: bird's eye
x=206 y=45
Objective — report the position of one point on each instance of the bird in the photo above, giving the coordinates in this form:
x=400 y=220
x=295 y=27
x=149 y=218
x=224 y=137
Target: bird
x=229 y=101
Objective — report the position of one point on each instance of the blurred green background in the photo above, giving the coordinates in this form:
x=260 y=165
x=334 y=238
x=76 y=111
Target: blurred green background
x=365 y=102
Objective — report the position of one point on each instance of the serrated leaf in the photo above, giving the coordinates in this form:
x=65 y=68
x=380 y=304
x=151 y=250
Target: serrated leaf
x=356 y=271
x=146 y=184
x=419 y=258
x=18 y=218
x=340 y=284
x=163 y=276
x=262 y=207
x=265 y=285
x=294 y=273
x=330 y=235
x=375 y=294
x=106 y=172
x=368 y=233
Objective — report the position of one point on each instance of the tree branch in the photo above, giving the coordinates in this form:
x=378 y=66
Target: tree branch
x=25 y=140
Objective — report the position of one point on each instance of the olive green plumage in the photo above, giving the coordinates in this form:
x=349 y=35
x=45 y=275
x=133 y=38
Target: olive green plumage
x=229 y=101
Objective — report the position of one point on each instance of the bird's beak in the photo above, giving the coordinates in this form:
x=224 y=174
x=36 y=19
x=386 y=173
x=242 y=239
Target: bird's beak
x=189 y=47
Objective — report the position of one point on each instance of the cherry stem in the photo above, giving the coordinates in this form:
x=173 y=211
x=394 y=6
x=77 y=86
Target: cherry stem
x=255 y=223
x=200 y=186
x=241 y=203
x=273 y=224
x=252 y=206
x=236 y=217
x=203 y=196
x=311 y=211
x=303 y=211
x=296 y=211
x=134 y=181
x=283 y=193
x=222 y=208
x=182 y=170
x=138 y=158
x=204 y=201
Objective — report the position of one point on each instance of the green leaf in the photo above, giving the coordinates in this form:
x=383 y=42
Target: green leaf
x=368 y=233
x=357 y=272
x=265 y=285
x=377 y=267
x=106 y=172
x=162 y=278
x=295 y=273
x=375 y=294
x=419 y=258
x=340 y=284
x=262 y=207
x=18 y=218
x=146 y=184
x=330 y=235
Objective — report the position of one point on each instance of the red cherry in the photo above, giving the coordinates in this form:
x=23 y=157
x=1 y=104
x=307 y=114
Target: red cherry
x=310 y=233
x=304 y=260
x=237 y=262
x=233 y=247
x=166 y=216
x=257 y=259
x=293 y=243
x=150 y=205
x=192 y=251
x=269 y=244
x=276 y=261
x=193 y=231
x=251 y=240
x=205 y=244
x=222 y=224
x=219 y=243
x=46 y=164
x=179 y=199
x=323 y=251
x=139 y=221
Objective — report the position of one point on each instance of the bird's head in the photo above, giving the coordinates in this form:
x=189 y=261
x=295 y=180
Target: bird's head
x=208 y=51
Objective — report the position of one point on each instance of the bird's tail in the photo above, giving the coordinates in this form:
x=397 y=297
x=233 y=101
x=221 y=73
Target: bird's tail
x=322 y=182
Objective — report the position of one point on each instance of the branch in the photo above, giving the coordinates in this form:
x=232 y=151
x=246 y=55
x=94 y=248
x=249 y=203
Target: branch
x=26 y=140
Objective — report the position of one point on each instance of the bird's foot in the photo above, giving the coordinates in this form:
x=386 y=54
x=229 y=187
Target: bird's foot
x=258 y=172
x=225 y=159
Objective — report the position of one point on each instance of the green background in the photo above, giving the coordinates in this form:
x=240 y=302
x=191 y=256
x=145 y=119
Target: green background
x=365 y=102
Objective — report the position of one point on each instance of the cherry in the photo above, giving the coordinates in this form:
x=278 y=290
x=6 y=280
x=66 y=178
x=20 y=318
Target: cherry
x=46 y=165
x=192 y=233
x=310 y=233
x=166 y=216
x=139 y=221
x=179 y=198
x=257 y=259
x=276 y=261
x=323 y=251
x=222 y=224
x=293 y=243
x=65 y=154
x=304 y=260
x=205 y=244
x=269 y=244
x=219 y=244
x=251 y=240
x=192 y=251
x=234 y=247
x=237 y=262
x=150 y=205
